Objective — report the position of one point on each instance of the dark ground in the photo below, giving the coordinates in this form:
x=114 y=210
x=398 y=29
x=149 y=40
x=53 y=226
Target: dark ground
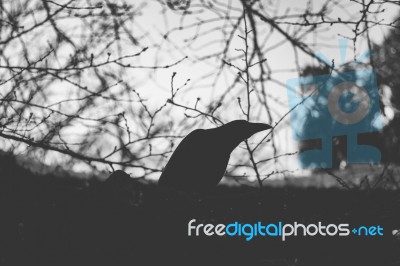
x=57 y=221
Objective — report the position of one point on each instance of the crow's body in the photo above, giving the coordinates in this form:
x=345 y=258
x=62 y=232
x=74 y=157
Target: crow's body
x=200 y=160
x=197 y=162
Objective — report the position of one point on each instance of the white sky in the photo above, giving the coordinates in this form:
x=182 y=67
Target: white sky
x=281 y=58
x=154 y=86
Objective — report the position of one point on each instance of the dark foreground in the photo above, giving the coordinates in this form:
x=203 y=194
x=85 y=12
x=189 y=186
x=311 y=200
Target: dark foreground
x=48 y=221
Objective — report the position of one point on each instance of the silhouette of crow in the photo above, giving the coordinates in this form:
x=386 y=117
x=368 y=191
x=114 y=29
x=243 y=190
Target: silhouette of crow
x=200 y=160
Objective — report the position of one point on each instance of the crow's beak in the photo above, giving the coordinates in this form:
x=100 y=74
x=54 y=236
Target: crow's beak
x=257 y=127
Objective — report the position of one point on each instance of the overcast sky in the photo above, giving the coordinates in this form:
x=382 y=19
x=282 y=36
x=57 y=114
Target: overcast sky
x=172 y=36
x=280 y=58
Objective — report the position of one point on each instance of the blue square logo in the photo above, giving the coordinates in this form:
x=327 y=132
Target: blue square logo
x=328 y=106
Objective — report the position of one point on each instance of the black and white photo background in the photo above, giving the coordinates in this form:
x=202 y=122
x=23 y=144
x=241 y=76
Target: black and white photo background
x=257 y=132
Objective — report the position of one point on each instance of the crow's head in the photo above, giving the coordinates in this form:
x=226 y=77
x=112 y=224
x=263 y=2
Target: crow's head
x=237 y=131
